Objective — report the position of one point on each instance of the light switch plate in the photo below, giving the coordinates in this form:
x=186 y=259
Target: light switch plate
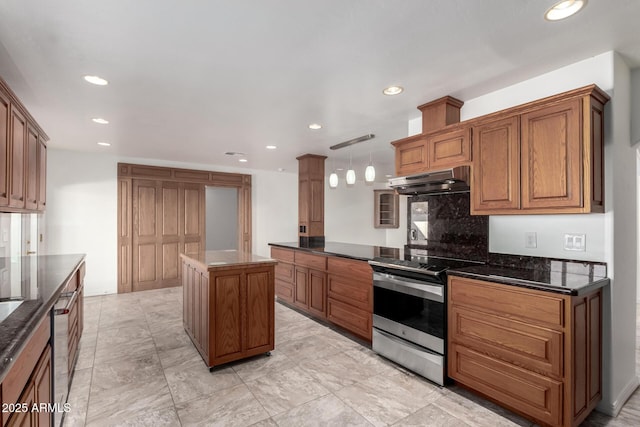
x=530 y=239
x=575 y=242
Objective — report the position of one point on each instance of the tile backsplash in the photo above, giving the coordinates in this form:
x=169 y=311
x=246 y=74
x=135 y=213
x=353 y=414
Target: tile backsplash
x=442 y=225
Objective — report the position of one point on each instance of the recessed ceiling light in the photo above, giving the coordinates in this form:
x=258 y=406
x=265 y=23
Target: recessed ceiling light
x=100 y=120
x=564 y=9
x=271 y=147
x=315 y=126
x=95 y=80
x=281 y=169
x=104 y=144
x=393 y=90
x=243 y=160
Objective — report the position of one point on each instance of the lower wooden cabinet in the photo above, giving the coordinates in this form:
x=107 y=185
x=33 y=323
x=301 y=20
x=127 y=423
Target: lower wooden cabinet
x=310 y=291
x=29 y=382
x=328 y=287
x=537 y=353
x=229 y=313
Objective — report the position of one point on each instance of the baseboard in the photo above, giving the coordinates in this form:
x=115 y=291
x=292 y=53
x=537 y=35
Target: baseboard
x=613 y=409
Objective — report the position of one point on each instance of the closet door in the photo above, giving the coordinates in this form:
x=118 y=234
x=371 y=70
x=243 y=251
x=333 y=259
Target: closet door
x=168 y=219
x=147 y=234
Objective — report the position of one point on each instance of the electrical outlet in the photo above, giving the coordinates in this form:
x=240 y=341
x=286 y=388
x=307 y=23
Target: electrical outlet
x=575 y=242
x=530 y=239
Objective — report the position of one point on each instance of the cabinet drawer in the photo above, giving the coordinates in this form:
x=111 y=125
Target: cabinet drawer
x=357 y=270
x=351 y=318
x=351 y=291
x=284 y=272
x=531 y=347
x=317 y=262
x=284 y=290
x=282 y=254
x=536 y=307
x=532 y=394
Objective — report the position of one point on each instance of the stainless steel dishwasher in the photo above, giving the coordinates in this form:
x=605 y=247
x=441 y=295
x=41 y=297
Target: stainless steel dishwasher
x=60 y=320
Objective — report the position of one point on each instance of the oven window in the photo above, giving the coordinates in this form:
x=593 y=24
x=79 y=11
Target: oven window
x=415 y=312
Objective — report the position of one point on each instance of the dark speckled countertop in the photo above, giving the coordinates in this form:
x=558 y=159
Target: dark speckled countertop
x=562 y=278
x=559 y=276
x=347 y=250
x=53 y=271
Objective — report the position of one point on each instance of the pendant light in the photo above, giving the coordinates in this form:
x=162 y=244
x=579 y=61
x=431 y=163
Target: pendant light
x=333 y=179
x=351 y=174
x=370 y=171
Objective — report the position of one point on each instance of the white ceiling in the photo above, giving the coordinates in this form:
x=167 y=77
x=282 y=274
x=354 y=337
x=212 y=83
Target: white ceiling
x=190 y=80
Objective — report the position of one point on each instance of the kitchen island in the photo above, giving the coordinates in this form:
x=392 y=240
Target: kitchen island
x=228 y=304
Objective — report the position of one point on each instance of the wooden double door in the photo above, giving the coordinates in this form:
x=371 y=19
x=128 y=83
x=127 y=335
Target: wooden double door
x=168 y=219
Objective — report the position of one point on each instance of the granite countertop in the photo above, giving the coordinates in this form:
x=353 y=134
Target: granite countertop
x=347 y=250
x=40 y=293
x=224 y=259
x=561 y=278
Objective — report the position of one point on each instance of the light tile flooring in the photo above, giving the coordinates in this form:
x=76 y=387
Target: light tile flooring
x=138 y=367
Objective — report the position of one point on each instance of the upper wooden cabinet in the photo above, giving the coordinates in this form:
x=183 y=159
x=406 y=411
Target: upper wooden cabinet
x=22 y=157
x=437 y=150
x=386 y=209
x=442 y=144
x=497 y=144
x=541 y=158
x=17 y=148
x=450 y=148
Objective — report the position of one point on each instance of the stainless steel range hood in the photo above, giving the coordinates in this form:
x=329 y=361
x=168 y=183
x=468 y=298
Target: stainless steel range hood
x=442 y=181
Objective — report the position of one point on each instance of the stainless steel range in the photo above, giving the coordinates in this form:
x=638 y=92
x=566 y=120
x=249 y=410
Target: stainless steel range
x=409 y=312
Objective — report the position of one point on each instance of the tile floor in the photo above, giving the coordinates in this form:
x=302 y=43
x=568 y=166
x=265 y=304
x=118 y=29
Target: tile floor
x=138 y=367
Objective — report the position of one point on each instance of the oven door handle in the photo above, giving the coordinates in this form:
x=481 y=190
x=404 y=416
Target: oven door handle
x=407 y=286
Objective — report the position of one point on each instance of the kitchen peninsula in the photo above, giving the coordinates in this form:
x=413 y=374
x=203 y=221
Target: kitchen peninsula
x=332 y=282
x=28 y=340
x=228 y=304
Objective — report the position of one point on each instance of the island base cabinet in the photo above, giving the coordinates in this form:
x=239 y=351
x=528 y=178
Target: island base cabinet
x=228 y=313
x=537 y=353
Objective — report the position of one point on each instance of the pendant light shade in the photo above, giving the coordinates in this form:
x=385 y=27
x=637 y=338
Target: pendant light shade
x=351 y=177
x=370 y=171
x=370 y=174
x=333 y=180
x=351 y=174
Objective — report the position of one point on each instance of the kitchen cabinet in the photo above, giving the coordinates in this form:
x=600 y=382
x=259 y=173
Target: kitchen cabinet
x=446 y=148
x=537 y=353
x=76 y=315
x=29 y=380
x=385 y=209
x=337 y=289
x=284 y=274
x=310 y=283
x=229 y=306
x=541 y=158
x=23 y=165
x=5 y=154
x=311 y=197
x=31 y=167
x=350 y=295
x=17 y=147
x=42 y=175
x=496 y=187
